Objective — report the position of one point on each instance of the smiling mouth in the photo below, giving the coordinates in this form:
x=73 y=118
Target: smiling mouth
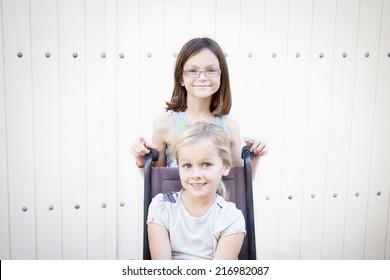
x=197 y=185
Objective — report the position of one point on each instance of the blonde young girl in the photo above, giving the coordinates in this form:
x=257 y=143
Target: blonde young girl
x=197 y=222
x=201 y=94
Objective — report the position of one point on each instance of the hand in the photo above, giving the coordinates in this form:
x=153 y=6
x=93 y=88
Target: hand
x=141 y=148
x=257 y=147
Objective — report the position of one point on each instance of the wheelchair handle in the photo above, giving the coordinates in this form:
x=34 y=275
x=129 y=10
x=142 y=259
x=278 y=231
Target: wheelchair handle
x=153 y=155
x=245 y=152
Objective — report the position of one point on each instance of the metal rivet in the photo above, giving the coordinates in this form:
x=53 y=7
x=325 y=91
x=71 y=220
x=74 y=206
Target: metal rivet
x=122 y=204
x=225 y=54
x=175 y=54
x=51 y=207
x=75 y=54
x=149 y=54
x=335 y=195
x=290 y=196
x=357 y=194
x=104 y=205
x=267 y=197
x=19 y=54
x=103 y=55
x=250 y=54
x=24 y=208
x=321 y=55
x=297 y=54
x=273 y=55
x=344 y=54
x=378 y=193
x=47 y=54
x=121 y=55
x=77 y=206
x=313 y=195
x=367 y=54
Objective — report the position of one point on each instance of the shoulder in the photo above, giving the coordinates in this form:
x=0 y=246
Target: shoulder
x=233 y=126
x=227 y=207
x=166 y=198
x=229 y=219
x=164 y=123
x=164 y=129
x=163 y=203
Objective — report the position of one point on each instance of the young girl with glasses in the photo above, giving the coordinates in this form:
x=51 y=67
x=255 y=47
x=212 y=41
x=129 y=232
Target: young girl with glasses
x=201 y=94
x=197 y=222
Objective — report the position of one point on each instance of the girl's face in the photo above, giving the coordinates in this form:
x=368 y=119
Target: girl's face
x=201 y=87
x=201 y=169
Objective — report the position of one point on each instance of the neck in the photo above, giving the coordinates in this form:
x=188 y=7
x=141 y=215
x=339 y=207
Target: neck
x=198 y=106
x=199 y=112
x=197 y=206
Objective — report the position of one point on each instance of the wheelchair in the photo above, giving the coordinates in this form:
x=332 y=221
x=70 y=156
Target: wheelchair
x=238 y=183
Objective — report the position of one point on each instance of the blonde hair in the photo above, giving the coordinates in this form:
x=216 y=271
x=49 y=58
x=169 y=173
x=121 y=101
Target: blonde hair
x=196 y=132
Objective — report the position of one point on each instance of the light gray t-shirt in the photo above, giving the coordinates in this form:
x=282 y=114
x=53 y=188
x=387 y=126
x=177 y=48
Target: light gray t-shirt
x=195 y=237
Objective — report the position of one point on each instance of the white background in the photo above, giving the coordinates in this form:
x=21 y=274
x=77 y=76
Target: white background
x=80 y=80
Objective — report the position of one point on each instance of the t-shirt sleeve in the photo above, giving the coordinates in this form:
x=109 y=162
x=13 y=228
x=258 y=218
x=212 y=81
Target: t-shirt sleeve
x=158 y=213
x=231 y=221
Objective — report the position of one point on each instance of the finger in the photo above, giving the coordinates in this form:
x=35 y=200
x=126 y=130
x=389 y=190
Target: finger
x=261 y=150
x=151 y=146
x=248 y=141
x=139 y=149
x=256 y=146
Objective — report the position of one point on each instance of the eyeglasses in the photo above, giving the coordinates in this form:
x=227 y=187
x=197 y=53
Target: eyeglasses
x=210 y=73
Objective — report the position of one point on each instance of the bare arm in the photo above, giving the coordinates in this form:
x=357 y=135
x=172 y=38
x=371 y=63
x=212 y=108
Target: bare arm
x=229 y=247
x=258 y=149
x=141 y=147
x=235 y=142
x=159 y=243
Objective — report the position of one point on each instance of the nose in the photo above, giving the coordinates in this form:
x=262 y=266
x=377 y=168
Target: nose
x=202 y=75
x=196 y=173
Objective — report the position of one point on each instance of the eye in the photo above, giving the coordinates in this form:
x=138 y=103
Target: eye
x=192 y=71
x=212 y=71
x=186 y=166
x=207 y=164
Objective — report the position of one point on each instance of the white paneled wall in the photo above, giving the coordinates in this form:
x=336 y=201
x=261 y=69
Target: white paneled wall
x=80 y=80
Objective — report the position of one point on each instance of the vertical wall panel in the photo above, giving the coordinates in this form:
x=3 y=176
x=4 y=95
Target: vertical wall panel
x=44 y=36
x=250 y=73
x=362 y=123
x=73 y=128
x=177 y=30
x=227 y=18
x=152 y=60
x=379 y=188
x=203 y=18
x=101 y=138
x=4 y=205
x=344 y=62
x=293 y=146
x=272 y=115
x=128 y=90
x=20 y=131
x=151 y=71
x=247 y=97
x=318 y=116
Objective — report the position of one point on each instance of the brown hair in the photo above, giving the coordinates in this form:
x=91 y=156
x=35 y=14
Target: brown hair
x=221 y=101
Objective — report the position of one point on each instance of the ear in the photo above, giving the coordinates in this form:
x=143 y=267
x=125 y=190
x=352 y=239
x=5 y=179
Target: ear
x=226 y=170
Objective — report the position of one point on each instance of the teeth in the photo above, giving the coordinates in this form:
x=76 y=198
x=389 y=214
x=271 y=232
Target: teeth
x=197 y=184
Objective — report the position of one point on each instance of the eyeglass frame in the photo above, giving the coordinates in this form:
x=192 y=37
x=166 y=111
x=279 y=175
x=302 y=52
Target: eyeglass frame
x=204 y=72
